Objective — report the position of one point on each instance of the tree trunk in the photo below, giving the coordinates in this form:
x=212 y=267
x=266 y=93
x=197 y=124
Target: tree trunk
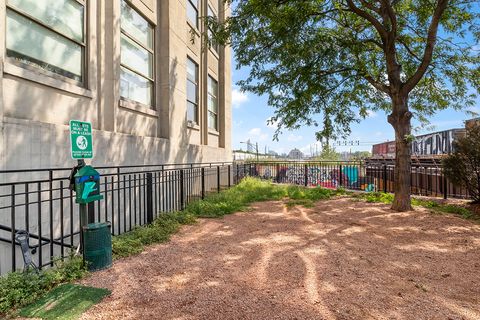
x=400 y=120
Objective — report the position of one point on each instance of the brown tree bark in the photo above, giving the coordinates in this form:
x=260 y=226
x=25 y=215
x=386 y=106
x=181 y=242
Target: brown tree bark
x=400 y=119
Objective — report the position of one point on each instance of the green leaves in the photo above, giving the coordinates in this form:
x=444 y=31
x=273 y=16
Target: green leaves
x=329 y=61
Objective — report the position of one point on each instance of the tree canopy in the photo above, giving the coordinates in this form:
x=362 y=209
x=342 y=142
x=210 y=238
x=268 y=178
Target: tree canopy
x=325 y=63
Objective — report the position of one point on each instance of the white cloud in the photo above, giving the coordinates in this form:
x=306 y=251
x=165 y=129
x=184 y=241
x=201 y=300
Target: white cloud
x=294 y=138
x=256 y=134
x=371 y=114
x=238 y=98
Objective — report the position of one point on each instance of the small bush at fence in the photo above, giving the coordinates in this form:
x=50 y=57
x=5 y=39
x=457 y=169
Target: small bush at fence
x=17 y=288
x=463 y=166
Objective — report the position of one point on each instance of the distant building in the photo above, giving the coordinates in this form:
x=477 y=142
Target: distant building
x=272 y=153
x=295 y=154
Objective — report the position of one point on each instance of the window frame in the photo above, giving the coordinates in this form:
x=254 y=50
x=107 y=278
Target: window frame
x=151 y=51
x=36 y=68
x=212 y=46
x=210 y=94
x=197 y=84
x=196 y=24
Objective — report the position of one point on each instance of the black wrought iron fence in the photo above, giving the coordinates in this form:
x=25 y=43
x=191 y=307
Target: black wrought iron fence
x=426 y=180
x=40 y=202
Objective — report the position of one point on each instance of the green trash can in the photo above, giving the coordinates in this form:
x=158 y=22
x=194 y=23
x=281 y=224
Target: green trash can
x=97 y=247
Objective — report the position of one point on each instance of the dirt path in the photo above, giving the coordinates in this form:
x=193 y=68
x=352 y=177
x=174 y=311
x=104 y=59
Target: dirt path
x=339 y=260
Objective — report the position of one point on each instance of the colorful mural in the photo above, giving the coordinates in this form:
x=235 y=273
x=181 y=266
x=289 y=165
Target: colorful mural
x=317 y=175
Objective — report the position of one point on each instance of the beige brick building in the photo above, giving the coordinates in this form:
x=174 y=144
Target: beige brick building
x=138 y=70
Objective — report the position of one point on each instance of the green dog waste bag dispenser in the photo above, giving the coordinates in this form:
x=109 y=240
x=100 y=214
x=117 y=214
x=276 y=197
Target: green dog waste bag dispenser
x=87 y=185
x=97 y=240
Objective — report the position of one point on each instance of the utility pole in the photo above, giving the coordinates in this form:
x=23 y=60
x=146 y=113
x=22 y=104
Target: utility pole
x=256 y=148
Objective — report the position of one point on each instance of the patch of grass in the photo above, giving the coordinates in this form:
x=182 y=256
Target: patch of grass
x=67 y=301
x=307 y=203
x=17 y=288
x=160 y=230
x=387 y=198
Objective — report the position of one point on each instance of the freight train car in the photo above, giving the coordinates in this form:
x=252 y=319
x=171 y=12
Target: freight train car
x=428 y=145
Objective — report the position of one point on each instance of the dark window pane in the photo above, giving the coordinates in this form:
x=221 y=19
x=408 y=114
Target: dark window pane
x=192 y=92
x=212 y=121
x=191 y=112
x=31 y=43
x=192 y=12
x=136 y=26
x=136 y=57
x=65 y=16
x=135 y=87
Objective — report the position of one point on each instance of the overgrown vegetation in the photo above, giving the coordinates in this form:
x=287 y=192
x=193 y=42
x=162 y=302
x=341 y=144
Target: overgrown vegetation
x=217 y=205
x=463 y=166
x=17 y=288
x=387 y=198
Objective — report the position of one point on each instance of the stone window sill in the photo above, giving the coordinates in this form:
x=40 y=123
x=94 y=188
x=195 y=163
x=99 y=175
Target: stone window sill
x=137 y=107
x=42 y=78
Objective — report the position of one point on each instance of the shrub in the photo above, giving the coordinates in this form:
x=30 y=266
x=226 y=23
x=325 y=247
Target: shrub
x=20 y=288
x=462 y=167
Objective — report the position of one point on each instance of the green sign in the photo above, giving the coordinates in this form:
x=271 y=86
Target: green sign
x=81 y=139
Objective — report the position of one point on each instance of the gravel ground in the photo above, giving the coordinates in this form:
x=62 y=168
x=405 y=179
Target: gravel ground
x=339 y=260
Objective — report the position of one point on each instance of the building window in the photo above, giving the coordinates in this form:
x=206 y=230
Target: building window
x=212 y=14
x=48 y=34
x=192 y=91
x=137 y=54
x=192 y=12
x=212 y=103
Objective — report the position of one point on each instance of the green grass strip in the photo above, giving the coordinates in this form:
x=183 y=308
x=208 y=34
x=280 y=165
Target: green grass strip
x=67 y=301
x=434 y=206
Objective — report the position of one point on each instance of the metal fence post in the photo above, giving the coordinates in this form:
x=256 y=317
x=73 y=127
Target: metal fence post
x=181 y=190
x=340 y=175
x=278 y=173
x=445 y=186
x=203 y=183
x=229 y=182
x=306 y=174
x=385 y=178
x=50 y=202
x=149 y=198
x=13 y=228
x=218 y=179
x=91 y=212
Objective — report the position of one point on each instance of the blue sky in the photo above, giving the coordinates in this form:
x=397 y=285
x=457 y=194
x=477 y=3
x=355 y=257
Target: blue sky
x=250 y=114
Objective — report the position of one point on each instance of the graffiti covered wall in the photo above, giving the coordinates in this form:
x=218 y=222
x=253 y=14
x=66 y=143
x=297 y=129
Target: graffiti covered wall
x=317 y=175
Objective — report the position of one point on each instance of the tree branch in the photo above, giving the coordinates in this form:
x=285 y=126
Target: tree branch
x=428 y=54
x=376 y=24
x=377 y=85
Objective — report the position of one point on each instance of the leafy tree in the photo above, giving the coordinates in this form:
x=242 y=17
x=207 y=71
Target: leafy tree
x=463 y=166
x=328 y=153
x=326 y=63
x=360 y=155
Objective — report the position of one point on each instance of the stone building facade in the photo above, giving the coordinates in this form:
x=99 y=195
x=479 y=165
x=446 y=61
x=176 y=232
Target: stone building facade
x=140 y=71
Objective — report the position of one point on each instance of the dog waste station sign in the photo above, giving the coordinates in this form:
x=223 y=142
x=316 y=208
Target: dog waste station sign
x=81 y=139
